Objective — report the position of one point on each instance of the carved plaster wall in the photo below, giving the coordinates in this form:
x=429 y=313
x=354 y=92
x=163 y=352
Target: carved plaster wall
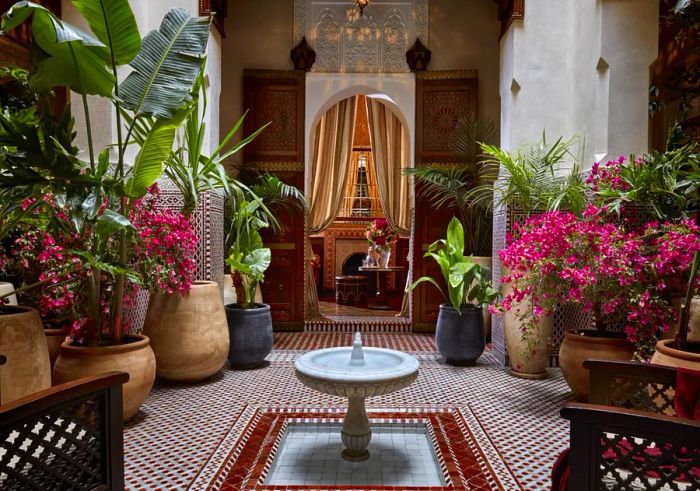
x=373 y=43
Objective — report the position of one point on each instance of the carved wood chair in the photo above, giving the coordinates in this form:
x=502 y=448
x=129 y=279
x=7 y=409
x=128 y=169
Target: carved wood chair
x=66 y=437
x=628 y=436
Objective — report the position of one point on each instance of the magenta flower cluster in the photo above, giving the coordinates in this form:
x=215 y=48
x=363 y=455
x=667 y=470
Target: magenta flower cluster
x=164 y=253
x=620 y=276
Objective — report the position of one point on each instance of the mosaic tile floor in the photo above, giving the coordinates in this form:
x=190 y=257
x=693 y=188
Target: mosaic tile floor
x=185 y=434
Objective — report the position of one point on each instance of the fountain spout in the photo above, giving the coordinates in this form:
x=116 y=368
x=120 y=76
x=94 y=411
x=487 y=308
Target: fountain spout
x=357 y=357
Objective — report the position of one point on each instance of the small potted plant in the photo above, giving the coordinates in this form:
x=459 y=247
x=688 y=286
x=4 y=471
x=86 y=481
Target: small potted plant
x=459 y=332
x=249 y=323
x=380 y=236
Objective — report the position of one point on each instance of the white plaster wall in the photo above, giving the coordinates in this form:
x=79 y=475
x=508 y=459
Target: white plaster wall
x=323 y=90
x=464 y=35
x=579 y=68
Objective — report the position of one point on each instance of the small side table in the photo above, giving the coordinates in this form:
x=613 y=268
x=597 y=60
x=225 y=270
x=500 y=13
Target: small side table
x=381 y=302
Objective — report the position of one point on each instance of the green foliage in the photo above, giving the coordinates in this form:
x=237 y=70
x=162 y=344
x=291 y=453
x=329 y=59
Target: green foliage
x=167 y=66
x=537 y=176
x=248 y=258
x=71 y=58
x=37 y=153
x=466 y=281
x=454 y=185
x=189 y=168
x=667 y=182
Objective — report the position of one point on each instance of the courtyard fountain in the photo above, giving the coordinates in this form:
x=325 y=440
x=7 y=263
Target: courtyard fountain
x=356 y=372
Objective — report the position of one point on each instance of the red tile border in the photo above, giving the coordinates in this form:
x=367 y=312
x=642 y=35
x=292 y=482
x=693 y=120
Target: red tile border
x=462 y=461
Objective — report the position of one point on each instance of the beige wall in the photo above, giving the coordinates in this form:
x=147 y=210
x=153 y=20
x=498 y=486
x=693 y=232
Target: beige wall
x=464 y=35
x=259 y=34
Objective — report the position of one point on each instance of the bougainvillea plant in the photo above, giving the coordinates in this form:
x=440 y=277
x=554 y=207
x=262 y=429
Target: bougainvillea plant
x=55 y=278
x=380 y=234
x=620 y=276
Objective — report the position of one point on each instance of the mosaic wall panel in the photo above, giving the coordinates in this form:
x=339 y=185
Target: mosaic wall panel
x=375 y=42
x=209 y=256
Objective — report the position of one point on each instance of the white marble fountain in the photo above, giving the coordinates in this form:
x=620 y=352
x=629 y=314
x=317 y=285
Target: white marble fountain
x=356 y=373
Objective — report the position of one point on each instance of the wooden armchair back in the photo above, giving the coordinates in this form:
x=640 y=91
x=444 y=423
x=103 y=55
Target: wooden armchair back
x=65 y=437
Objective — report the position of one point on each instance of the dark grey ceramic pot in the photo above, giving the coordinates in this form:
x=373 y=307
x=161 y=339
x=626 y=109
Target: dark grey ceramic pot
x=250 y=332
x=460 y=338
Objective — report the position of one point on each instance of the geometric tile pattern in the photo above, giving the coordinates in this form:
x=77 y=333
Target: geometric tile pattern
x=183 y=430
x=461 y=461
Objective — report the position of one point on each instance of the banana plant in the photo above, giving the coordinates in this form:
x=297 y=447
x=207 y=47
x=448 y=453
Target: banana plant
x=164 y=67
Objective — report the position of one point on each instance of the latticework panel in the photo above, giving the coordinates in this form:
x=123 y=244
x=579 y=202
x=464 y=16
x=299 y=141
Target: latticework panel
x=646 y=461
x=61 y=449
x=642 y=395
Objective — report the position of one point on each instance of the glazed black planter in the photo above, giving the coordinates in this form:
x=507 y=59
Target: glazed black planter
x=250 y=332
x=460 y=338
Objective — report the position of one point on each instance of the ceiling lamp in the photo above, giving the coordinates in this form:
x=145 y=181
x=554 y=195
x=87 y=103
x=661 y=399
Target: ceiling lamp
x=361 y=4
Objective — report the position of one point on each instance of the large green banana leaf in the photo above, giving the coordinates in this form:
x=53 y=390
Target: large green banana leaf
x=113 y=22
x=156 y=148
x=167 y=65
x=72 y=57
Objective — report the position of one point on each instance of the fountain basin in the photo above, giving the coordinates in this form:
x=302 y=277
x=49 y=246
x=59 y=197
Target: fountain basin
x=329 y=371
x=356 y=373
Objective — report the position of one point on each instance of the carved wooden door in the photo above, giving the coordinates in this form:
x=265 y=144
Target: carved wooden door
x=441 y=99
x=278 y=97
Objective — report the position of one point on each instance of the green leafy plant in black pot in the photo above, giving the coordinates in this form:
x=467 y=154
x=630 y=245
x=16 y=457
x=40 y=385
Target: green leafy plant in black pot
x=459 y=333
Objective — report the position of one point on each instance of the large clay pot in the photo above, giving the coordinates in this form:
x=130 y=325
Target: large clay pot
x=581 y=345
x=459 y=336
x=134 y=357
x=529 y=358
x=665 y=354
x=54 y=340
x=188 y=333
x=250 y=331
x=22 y=342
x=485 y=262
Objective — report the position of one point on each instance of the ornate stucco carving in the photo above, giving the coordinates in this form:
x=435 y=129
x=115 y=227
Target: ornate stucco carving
x=375 y=42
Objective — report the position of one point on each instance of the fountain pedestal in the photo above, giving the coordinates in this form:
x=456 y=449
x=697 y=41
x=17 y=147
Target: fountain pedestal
x=356 y=433
x=356 y=373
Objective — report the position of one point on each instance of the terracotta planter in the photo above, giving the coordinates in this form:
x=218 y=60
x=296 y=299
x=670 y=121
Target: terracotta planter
x=577 y=348
x=188 y=333
x=485 y=262
x=526 y=360
x=22 y=341
x=135 y=358
x=54 y=340
x=672 y=357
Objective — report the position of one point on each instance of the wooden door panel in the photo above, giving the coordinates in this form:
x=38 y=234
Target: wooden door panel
x=441 y=99
x=277 y=97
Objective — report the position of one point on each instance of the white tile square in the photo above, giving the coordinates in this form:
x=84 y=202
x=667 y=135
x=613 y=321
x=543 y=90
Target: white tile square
x=401 y=454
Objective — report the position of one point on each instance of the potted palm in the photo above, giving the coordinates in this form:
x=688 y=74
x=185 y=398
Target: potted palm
x=100 y=194
x=459 y=333
x=533 y=179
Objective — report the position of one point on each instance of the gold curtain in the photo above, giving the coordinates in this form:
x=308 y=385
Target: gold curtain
x=332 y=149
x=390 y=147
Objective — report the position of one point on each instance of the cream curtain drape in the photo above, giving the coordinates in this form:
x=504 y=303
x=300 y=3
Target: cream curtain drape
x=332 y=149
x=390 y=146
